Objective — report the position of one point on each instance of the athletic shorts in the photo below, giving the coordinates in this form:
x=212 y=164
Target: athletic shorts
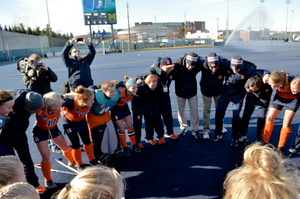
x=290 y=104
x=119 y=112
x=74 y=127
x=40 y=135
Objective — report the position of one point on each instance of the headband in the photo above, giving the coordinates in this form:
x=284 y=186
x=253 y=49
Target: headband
x=6 y=100
x=153 y=79
x=130 y=82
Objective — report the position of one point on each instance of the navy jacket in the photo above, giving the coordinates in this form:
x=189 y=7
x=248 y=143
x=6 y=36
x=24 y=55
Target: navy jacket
x=211 y=83
x=164 y=79
x=82 y=75
x=19 y=118
x=143 y=98
x=185 y=79
x=234 y=86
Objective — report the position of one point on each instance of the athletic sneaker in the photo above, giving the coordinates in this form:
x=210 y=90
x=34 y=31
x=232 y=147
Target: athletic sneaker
x=40 y=189
x=94 y=162
x=293 y=150
x=196 y=134
x=216 y=138
x=71 y=164
x=172 y=136
x=118 y=153
x=183 y=132
x=152 y=142
x=161 y=140
x=243 y=138
x=140 y=145
x=206 y=135
x=50 y=184
x=80 y=168
x=126 y=151
x=224 y=130
x=136 y=148
x=234 y=142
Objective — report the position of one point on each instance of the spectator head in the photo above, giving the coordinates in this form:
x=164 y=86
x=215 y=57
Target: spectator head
x=75 y=52
x=33 y=102
x=6 y=103
x=131 y=85
x=19 y=190
x=166 y=64
x=191 y=60
x=151 y=80
x=264 y=174
x=85 y=96
x=11 y=170
x=35 y=58
x=99 y=182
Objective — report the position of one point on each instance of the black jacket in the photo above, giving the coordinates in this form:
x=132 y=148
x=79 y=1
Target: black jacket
x=42 y=82
x=211 y=83
x=143 y=99
x=185 y=79
x=164 y=79
x=82 y=76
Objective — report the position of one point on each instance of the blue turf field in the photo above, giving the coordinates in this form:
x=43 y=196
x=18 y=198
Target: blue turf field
x=184 y=168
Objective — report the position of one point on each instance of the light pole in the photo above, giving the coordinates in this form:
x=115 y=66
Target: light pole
x=227 y=23
x=261 y=1
x=287 y=12
x=292 y=22
x=49 y=27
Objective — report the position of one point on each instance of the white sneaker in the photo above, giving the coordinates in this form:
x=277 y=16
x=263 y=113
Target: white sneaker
x=224 y=130
x=243 y=138
x=206 y=135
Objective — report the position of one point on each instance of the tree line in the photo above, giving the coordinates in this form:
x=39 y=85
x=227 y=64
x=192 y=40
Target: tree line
x=35 y=31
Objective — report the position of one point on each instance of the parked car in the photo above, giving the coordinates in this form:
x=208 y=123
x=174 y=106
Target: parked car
x=165 y=45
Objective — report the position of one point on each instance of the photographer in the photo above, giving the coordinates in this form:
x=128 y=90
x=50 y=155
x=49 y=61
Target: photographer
x=78 y=67
x=38 y=76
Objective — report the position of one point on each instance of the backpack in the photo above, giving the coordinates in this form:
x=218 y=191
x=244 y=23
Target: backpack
x=23 y=65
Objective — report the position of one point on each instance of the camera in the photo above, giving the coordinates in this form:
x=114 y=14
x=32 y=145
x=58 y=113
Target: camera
x=79 y=39
x=38 y=64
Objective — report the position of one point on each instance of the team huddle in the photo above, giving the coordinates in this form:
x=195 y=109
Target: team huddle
x=99 y=115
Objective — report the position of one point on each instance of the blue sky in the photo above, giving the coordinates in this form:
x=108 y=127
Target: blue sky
x=67 y=15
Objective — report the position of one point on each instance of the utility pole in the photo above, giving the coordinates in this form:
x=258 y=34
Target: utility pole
x=1 y=37
x=217 y=24
x=292 y=22
x=227 y=23
x=155 y=27
x=50 y=27
x=129 y=39
x=287 y=12
x=184 y=24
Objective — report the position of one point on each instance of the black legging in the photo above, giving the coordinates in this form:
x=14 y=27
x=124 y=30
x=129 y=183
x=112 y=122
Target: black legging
x=74 y=138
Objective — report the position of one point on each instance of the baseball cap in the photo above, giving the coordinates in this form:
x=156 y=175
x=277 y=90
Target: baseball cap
x=191 y=59
x=237 y=61
x=166 y=61
x=212 y=60
x=33 y=101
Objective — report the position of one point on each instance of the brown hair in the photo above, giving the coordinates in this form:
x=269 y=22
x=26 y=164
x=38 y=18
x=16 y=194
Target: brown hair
x=83 y=93
x=35 y=57
x=147 y=79
x=279 y=77
x=5 y=96
x=106 y=85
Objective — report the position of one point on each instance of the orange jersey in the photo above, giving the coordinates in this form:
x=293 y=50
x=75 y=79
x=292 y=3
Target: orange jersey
x=123 y=99
x=286 y=92
x=75 y=115
x=46 y=121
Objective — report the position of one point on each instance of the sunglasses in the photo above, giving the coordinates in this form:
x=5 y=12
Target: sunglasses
x=75 y=51
x=213 y=67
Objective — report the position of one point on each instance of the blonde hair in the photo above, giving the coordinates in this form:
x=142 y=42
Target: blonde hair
x=127 y=79
x=51 y=98
x=99 y=182
x=296 y=82
x=8 y=169
x=147 y=79
x=264 y=174
x=106 y=85
x=279 y=77
x=35 y=57
x=84 y=93
x=5 y=96
x=19 y=190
